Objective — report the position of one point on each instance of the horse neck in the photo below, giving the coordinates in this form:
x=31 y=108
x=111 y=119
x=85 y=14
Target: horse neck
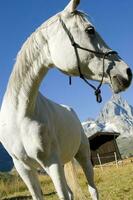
x=31 y=66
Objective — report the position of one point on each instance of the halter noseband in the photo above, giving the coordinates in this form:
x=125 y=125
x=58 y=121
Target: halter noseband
x=103 y=54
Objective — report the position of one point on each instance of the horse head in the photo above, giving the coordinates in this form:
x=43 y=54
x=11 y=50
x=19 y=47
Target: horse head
x=77 y=49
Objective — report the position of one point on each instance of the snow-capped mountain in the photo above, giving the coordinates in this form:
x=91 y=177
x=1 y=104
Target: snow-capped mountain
x=92 y=126
x=117 y=116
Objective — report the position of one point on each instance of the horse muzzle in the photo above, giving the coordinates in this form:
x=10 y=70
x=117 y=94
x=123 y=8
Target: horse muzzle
x=119 y=83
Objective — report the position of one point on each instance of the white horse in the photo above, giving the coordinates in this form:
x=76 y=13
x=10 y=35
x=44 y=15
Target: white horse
x=38 y=132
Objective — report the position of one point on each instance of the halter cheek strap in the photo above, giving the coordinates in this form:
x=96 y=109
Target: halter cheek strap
x=76 y=46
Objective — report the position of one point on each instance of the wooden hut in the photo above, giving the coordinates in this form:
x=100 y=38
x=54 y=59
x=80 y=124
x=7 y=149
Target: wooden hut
x=103 y=145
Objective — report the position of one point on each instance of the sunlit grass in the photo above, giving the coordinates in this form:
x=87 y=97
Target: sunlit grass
x=113 y=184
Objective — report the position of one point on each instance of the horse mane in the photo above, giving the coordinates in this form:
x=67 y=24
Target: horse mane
x=32 y=47
x=30 y=58
x=32 y=51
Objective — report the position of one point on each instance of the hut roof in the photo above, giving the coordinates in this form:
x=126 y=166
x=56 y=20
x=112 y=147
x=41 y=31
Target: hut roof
x=99 y=138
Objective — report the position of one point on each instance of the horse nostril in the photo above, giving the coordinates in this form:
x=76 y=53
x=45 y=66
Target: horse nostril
x=129 y=73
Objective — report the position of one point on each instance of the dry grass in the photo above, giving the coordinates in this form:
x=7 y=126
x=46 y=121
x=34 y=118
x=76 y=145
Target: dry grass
x=113 y=184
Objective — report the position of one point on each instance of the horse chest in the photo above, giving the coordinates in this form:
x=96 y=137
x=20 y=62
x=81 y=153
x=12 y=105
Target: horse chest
x=11 y=139
x=14 y=146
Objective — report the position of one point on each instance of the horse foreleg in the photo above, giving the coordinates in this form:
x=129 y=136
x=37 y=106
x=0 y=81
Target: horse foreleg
x=30 y=178
x=83 y=158
x=56 y=171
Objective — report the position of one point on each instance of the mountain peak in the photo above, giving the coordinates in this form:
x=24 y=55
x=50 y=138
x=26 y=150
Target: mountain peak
x=117 y=99
x=118 y=115
x=116 y=106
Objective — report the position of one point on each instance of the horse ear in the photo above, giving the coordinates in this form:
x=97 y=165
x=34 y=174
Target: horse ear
x=71 y=7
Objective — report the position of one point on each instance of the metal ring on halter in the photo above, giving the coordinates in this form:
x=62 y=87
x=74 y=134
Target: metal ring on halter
x=104 y=54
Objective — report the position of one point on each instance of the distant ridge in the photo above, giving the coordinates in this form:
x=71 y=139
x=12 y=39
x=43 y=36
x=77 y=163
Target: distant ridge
x=6 y=163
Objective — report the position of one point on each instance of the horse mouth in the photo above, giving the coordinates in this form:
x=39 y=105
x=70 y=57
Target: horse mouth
x=120 y=84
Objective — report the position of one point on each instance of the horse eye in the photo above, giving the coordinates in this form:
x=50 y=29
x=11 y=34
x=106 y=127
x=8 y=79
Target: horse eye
x=90 y=30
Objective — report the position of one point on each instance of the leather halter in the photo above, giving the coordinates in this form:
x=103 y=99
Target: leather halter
x=103 y=54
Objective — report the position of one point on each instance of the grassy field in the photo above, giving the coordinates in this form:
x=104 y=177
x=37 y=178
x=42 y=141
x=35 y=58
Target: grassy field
x=113 y=184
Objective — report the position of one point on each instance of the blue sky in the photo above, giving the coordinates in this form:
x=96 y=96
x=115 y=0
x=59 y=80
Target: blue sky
x=112 y=19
